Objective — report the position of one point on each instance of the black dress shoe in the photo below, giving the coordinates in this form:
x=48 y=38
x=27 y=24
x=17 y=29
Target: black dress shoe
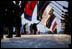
x=9 y=36
x=18 y=36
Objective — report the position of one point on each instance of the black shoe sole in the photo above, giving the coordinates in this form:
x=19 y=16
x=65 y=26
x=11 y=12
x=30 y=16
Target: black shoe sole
x=9 y=37
x=17 y=36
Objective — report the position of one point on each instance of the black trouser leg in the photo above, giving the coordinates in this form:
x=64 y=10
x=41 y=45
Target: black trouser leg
x=35 y=31
x=18 y=31
x=24 y=31
x=10 y=33
x=18 y=26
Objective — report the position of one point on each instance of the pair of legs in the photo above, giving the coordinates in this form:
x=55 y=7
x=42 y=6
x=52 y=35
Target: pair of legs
x=10 y=33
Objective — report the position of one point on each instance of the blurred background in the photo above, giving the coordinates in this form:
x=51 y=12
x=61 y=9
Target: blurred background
x=52 y=16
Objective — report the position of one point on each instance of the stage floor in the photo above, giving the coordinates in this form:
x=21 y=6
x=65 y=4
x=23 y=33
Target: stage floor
x=37 y=41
